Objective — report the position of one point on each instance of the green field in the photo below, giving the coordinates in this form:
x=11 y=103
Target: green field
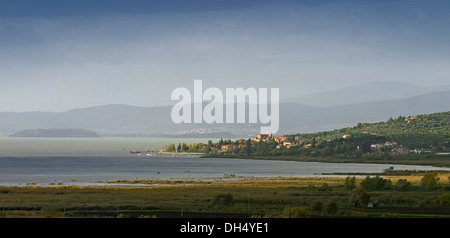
x=277 y=197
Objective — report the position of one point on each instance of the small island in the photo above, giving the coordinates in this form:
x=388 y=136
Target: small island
x=55 y=132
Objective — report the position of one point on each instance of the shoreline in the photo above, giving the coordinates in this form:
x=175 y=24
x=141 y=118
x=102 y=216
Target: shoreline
x=227 y=179
x=443 y=161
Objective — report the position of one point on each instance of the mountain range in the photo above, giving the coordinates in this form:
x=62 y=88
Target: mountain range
x=295 y=116
x=368 y=92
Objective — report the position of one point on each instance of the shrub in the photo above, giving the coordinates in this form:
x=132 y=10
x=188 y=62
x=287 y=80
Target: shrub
x=444 y=199
x=429 y=181
x=317 y=206
x=360 y=197
x=402 y=185
x=375 y=183
x=148 y=216
x=223 y=200
x=325 y=187
x=295 y=212
x=350 y=183
x=331 y=207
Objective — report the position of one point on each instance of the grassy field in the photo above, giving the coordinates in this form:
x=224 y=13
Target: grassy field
x=275 y=197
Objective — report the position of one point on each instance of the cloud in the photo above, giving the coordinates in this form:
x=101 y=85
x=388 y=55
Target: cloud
x=61 y=57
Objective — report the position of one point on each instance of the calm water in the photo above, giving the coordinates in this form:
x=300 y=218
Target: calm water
x=83 y=161
x=106 y=146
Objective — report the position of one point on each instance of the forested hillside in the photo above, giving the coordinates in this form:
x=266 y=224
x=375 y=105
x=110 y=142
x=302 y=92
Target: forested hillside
x=420 y=131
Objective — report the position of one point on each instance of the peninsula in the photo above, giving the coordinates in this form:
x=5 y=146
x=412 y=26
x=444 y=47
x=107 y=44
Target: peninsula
x=55 y=132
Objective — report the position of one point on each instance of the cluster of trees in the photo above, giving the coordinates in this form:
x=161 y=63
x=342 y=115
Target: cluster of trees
x=211 y=147
x=422 y=131
x=376 y=183
x=429 y=181
x=361 y=197
x=195 y=147
x=436 y=123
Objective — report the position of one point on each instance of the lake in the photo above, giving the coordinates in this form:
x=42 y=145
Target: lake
x=90 y=161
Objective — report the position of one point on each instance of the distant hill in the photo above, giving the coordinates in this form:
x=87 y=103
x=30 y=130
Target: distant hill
x=306 y=119
x=369 y=92
x=55 y=132
x=112 y=120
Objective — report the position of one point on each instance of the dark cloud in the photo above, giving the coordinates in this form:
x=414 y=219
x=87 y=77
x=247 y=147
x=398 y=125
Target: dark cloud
x=57 y=55
x=64 y=8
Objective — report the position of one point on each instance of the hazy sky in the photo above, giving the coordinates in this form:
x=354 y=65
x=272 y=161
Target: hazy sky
x=57 y=55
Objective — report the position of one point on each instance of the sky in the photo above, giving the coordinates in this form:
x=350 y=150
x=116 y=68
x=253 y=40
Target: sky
x=57 y=55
